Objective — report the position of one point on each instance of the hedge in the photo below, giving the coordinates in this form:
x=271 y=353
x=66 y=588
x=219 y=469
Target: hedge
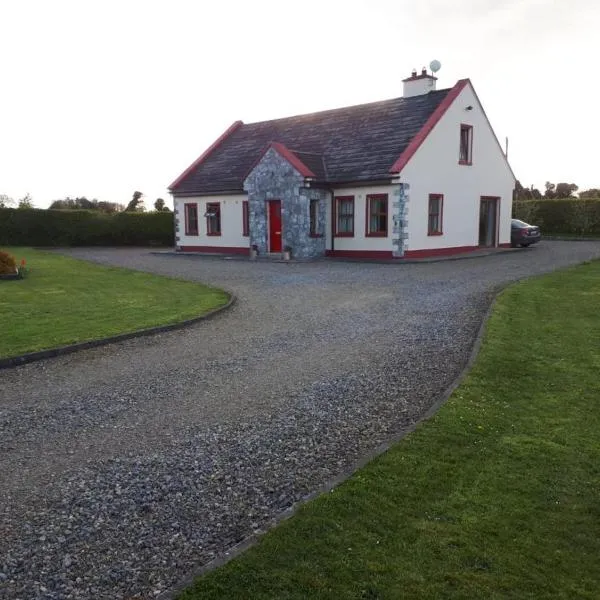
x=573 y=216
x=36 y=227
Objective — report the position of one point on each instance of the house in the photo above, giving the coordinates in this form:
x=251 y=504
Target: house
x=421 y=175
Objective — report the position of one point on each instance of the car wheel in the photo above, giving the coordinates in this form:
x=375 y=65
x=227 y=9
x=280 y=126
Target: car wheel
x=525 y=245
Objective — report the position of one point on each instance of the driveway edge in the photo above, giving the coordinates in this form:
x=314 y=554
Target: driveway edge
x=173 y=592
x=16 y=361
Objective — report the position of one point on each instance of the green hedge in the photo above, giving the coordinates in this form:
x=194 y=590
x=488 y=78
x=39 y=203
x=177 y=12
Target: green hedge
x=572 y=216
x=36 y=227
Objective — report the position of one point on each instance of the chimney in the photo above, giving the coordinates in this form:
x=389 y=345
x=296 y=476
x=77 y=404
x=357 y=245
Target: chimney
x=417 y=85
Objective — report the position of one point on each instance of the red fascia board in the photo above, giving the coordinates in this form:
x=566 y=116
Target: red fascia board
x=288 y=155
x=292 y=159
x=437 y=114
x=206 y=153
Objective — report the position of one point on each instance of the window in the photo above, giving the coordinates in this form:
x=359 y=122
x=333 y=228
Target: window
x=245 y=218
x=377 y=215
x=466 y=145
x=213 y=218
x=314 y=218
x=344 y=216
x=191 y=219
x=434 y=223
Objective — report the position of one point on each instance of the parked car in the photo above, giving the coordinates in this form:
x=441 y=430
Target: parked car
x=522 y=234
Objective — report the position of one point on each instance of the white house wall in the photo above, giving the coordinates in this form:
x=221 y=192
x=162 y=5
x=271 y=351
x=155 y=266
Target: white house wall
x=231 y=223
x=434 y=169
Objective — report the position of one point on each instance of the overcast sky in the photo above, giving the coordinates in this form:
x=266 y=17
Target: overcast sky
x=101 y=98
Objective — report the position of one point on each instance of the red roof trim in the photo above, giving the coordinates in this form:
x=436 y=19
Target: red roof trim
x=292 y=159
x=286 y=153
x=437 y=114
x=206 y=153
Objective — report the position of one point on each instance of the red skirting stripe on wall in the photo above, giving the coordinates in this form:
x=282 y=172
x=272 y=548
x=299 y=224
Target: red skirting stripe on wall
x=425 y=253
x=505 y=245
x=215 y=249
x=372 y=254
x=429 y=252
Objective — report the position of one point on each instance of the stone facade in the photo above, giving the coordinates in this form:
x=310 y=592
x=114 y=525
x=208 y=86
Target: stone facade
x=274 y=178
x=400 y=218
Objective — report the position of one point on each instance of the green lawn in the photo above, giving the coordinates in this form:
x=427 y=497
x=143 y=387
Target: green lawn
x=497 y=496
x=63 y=300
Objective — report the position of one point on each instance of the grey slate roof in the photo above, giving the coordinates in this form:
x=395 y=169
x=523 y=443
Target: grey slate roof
x=356 y=143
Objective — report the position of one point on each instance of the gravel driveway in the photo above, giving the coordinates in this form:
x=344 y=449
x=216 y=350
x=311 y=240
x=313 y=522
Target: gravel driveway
x=124 y=468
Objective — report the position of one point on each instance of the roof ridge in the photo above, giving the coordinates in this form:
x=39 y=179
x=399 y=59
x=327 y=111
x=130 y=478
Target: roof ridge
x=329 y=110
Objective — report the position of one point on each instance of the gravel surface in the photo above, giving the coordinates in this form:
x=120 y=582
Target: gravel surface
x=124 y=468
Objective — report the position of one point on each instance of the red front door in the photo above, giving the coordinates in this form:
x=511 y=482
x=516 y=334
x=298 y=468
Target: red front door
x=274 y=225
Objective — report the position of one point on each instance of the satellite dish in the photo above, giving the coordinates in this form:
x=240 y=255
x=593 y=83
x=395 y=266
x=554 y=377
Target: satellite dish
x=435 y=66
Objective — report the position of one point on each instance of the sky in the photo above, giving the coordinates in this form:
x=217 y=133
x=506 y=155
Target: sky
x=102 y=98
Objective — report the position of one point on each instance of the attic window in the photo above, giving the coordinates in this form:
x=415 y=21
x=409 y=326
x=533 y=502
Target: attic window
x=213 y=218
x=466 y=145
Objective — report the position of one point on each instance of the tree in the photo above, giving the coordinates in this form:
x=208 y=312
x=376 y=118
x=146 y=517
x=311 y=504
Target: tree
x=159 y=205
x=82 y=203
x=535 y=193
x=550 y=187
x=136 y=204
x=591 y=193
x=565 y=190
x=6 y=201
x=521 y=193
x=26 y=201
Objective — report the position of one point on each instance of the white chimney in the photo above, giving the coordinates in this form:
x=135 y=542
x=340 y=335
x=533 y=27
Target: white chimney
x=417 y=85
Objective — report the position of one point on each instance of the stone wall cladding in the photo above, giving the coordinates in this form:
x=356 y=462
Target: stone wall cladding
x=273 y=178
x=400 y=218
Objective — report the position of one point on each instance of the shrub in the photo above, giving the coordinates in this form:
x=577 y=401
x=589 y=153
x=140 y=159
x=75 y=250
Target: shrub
x=8 y=264
x=36 y=227
x=575 y=216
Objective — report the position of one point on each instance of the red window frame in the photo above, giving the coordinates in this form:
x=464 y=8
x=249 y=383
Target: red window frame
x=439 y=230
x=336 y=213
x=189 y=230
x=245 y=219
x=314 y=218
x=465 y=150
x=216 y=207
x=379 y=232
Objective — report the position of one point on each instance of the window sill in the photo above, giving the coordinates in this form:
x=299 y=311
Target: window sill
x=343 y=235
x=214 y=234
x=378 y=234
x=315 y=235
x=190 y=233
x=466 y=163
x=431 y=233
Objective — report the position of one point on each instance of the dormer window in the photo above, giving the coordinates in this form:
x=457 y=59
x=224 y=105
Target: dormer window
x=466 y=145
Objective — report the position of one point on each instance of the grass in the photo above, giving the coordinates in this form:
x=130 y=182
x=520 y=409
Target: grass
x=63 y=300
x=497 y=496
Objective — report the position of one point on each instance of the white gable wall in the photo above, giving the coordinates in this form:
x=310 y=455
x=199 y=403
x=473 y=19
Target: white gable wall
x=434 y=169
x=231 y=222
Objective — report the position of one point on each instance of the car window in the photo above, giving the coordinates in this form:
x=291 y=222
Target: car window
x=518 y=223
